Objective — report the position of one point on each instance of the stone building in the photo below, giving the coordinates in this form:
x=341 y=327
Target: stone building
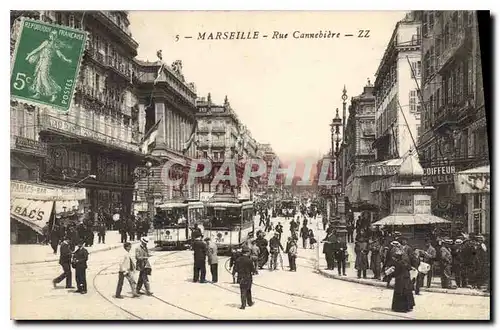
x=454 y=134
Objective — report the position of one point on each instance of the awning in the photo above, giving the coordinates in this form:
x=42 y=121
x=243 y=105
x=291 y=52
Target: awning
x=32 y=213
x=409 y=220
x=66 y=206
x=171 y=205
x=473 y=181
x=384 y=168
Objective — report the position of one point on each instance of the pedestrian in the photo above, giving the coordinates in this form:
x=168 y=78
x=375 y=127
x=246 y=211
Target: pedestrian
x=279 y=230
x=126 y=270
x=263 y=251
x=199 y=254
x=312 y=239
x=245 y=271
x=402 y=299
x=212 y=259
x=80 y=258
x=262 y=219
x=122 y=225
x=350 y=232
x=375 y=259
x=340 y=250
x=292 y=254
x=143 y=266
x=131 y=229
x=101 y=233
x=254 y=256
x=457 y=263
x=328 y=248
x=445 y=258
x=65 y=262
x=304 y=234
x=430 y=259
x=235 y=254
x=274 y=246
x=361 y=250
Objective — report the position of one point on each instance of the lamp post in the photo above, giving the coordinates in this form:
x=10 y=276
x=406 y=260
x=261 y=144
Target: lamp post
x=146 y=172
x=335 y=139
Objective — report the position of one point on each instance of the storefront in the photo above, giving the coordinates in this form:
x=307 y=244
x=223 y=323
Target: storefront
x=33 y=205
x=474 y=185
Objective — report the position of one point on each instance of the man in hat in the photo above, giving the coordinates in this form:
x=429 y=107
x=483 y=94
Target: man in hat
x=457 y=264
x=329 y=241
x=143 y=266
x=65 y=262
x=446 y=261
x=340 y=253
x=101 y=233
x=126 y=270
x=429 y=258
x=375 y=258
x=279 y=230
x=212 y=259
x=254 y=255
x=199 y=254
x=275 y=246
x=245 y=268
x=361 y=250
x=80 y=258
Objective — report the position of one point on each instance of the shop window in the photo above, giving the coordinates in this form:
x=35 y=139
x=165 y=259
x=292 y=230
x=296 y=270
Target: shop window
x=477 y=202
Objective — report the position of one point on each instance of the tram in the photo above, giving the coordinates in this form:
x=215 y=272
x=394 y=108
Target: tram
x=288 y=208
x=230 y=222
x=172 y=223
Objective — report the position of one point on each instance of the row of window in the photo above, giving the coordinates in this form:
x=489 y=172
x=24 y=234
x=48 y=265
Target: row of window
x=456 y=86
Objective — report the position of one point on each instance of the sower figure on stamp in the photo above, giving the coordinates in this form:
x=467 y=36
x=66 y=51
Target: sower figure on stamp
x=126 y=270
x=245 y=271
x=80 y=258
x=65 y=262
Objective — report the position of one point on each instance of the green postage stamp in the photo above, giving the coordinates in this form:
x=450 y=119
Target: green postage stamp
x=46 y=64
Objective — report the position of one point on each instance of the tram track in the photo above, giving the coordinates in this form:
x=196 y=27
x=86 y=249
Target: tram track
x=155 y=297
x=317 y=300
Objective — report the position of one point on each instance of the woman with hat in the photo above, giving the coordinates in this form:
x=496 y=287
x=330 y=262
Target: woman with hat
x=143 y=266
x=402 y=298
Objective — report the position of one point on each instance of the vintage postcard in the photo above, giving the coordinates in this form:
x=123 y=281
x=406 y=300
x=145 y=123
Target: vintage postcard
x=258 y=165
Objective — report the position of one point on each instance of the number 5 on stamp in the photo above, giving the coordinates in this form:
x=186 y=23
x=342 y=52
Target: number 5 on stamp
x=46 y=64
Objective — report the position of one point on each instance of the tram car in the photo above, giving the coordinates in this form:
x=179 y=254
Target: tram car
x=173 y=221
x=288 y=208
x=230 y=222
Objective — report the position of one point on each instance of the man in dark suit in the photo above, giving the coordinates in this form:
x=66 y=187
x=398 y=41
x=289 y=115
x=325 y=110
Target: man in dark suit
x=245 y=270
x=200 y=254
x=65 y=262
x=340 y=252
x=80 y=258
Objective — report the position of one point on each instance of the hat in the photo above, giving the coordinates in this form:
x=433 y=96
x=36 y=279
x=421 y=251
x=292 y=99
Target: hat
x=458 y=241
x=397 y=233
x=448 y=241
x=207 y=239
x=144 y=240
x=395 y=243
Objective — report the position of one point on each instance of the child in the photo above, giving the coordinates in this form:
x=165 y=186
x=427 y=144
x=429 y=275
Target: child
x=312 y=240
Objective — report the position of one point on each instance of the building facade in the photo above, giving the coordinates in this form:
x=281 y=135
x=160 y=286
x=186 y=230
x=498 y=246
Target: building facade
x=168 y=101
x=454 y=136
x=99 y=137
x=358 y=148
x=397 y=104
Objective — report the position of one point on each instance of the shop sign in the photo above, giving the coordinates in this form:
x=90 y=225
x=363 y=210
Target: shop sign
x=438 y=175
x=67 y=127
x=402 y=202
x=32 y=146
x=474 y=183
x=34 y=191
x=34 y=213
x=422 y=204
x=205 y=196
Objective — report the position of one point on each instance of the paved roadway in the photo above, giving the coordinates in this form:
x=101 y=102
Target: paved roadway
x=279 y=295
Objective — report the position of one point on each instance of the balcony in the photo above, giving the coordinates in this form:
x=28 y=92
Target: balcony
x=456 y=43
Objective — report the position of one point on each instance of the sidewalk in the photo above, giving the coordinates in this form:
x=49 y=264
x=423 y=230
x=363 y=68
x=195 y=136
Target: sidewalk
x=352 y=277
x=37 y=253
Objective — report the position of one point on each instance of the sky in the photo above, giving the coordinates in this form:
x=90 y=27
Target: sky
x=284 y=90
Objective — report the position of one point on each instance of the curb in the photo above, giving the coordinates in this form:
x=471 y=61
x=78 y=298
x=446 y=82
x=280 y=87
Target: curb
x=57 y=259
x=384 y=286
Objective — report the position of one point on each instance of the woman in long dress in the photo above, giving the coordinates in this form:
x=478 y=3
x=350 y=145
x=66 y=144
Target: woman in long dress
x=43 y=83
x=402 y=299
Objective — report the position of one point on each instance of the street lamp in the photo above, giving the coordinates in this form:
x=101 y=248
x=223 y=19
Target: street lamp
x=335 y=130
x=146 y=172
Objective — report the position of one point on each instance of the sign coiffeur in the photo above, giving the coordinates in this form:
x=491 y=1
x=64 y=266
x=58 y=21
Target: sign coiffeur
x=33 y=213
